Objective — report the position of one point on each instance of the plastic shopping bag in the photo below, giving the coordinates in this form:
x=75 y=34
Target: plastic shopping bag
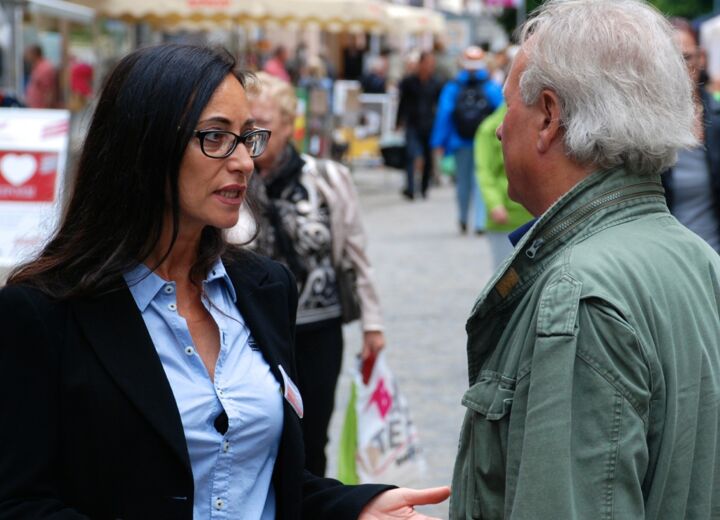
x=379 y=442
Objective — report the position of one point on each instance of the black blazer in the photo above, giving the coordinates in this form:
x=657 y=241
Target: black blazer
x=90 y=427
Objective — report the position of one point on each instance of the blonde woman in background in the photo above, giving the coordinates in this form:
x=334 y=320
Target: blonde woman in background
x=308 y=219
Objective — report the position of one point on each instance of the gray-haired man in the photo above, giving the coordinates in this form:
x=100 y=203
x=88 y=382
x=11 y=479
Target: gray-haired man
x=594 y=353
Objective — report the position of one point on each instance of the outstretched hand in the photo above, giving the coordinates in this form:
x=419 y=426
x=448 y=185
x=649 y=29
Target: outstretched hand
x=399 y=504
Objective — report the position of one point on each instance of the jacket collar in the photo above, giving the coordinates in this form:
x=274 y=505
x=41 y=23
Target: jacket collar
x=116 y=331
x=601 y=199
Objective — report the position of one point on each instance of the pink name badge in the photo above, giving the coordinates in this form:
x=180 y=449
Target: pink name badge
x=292 y=394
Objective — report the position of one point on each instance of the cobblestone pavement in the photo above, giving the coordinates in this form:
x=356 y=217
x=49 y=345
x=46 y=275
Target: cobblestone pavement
x=428 y=277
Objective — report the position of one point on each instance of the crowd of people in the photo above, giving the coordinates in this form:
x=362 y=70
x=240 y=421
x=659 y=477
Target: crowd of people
x=43 y=86
x=181 y=361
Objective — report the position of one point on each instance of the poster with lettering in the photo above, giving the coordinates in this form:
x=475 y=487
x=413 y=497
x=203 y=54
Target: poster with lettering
x=33 y=152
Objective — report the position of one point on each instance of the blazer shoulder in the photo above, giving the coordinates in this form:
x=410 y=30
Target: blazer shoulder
x=26 y=310
x=257 y=269
x=16 y=298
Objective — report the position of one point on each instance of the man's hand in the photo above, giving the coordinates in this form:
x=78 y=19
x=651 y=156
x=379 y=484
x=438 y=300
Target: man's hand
x=399 y=504
x=499 y=215
x=373 y=342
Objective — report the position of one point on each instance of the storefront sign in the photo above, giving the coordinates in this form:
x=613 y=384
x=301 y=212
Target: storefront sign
x=33 y=150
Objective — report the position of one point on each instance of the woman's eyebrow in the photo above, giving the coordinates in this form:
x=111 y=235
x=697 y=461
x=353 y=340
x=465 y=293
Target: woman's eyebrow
x=250 y=122
x=216 y=119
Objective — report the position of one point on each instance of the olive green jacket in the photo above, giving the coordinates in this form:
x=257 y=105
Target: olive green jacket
x=594 y=367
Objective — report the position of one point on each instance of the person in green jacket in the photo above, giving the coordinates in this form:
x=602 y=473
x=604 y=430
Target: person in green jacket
x=503 y=214
x=594 y=354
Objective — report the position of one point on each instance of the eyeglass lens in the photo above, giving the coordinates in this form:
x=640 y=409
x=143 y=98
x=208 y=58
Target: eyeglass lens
x=255 y=143
x=221 y=144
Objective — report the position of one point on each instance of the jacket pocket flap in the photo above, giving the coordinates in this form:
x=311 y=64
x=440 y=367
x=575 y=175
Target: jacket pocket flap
x=491 y=396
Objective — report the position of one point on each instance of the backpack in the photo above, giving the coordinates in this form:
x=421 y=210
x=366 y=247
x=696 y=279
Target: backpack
x=471 y=108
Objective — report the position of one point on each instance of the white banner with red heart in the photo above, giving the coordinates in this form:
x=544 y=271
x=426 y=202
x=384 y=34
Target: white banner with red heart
x=33 y=151
x=18 y=168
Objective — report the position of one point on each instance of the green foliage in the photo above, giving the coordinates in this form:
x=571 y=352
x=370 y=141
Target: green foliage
x=685 y=8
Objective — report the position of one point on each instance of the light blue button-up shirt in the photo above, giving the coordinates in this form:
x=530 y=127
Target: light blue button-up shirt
x=232 y=472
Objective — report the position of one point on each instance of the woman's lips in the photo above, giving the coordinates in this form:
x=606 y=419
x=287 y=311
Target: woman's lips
x=231 y=195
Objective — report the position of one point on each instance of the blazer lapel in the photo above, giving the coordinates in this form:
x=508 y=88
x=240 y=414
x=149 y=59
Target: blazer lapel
x=263 y=305
x=115 y=329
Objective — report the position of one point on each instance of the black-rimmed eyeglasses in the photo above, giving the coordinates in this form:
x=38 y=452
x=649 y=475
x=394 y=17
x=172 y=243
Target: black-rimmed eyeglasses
x=219 y=144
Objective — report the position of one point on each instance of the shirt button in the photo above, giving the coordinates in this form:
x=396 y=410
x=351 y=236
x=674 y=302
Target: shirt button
x=172 y=307
x=226 y=446
x=169 y=289
x=220 y=392
x=189 y=351
x=219 y=503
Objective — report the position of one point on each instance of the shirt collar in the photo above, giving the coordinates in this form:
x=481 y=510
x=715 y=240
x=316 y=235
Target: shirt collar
x=217 y=272
x=516 y=236
x=145 y=284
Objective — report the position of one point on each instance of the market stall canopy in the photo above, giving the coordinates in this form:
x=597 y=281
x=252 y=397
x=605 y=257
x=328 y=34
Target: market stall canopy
x=63 y=10
x=330 y=14
x=412 y=20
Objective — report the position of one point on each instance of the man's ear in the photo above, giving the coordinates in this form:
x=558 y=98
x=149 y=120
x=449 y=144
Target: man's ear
x=551 y=129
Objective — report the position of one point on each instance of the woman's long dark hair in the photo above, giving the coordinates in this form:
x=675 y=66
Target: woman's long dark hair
x=128 y=172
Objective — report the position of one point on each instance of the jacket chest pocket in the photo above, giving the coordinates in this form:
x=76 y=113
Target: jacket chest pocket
x=480 y=478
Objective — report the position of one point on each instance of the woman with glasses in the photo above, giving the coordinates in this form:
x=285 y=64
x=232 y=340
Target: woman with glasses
x=309 y=221
x=147 y=367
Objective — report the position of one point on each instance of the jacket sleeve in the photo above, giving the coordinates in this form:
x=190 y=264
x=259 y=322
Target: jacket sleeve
x=493 y=91
x=330 y=499
x=30 y=409
x=443 y=126
x=582 y=452
x=354 y=247
x=489 y=166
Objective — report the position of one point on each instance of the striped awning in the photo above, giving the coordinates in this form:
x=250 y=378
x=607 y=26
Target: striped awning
x=334 y=15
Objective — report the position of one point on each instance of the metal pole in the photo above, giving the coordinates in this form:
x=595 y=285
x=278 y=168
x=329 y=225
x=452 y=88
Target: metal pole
x=13 y=10
x=18 y=48
x=14 y=14
x=522 y=12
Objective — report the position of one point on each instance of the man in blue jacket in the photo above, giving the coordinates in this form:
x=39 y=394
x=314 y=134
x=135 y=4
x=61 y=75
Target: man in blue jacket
x=463 y=103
